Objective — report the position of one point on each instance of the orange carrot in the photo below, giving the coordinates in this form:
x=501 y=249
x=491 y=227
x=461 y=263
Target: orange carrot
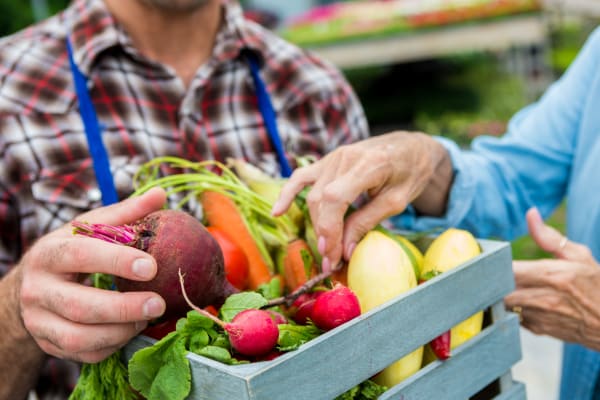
x=221 y=212
x=293 y=264
x=341 y=275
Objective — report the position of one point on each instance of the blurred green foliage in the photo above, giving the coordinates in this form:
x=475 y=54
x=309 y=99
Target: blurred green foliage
x=15 y=15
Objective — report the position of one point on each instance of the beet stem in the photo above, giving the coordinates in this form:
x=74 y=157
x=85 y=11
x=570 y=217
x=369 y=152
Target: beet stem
x=123 y=234
x=308 y=285
x=195 y=307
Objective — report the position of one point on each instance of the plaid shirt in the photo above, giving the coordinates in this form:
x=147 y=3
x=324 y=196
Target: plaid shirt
x=46 y=173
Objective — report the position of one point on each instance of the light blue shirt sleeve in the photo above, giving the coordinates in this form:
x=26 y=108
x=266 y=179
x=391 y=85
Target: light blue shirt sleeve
x=498 y=179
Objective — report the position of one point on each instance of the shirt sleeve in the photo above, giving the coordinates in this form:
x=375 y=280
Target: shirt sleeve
x=498 y=179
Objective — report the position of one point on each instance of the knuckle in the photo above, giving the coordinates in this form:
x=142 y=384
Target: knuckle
x=331 y=194
x=28 y=293
x=395 y=200
x=76 y=254
x=70 y=342
x=326 y=229
x=124 y=312
x=313 y=198
x=29 y=321
x=74 y=311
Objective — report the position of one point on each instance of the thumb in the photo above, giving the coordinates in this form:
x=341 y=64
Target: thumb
x=551 y=240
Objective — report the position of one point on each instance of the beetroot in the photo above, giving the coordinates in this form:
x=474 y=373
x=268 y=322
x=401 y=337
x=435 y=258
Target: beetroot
x=177 y=241
x=335 y=307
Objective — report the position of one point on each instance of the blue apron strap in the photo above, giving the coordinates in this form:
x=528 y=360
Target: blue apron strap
x=93 y=133
x=268 y=114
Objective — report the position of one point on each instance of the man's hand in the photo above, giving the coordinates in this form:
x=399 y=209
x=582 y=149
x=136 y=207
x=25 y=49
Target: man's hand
x=558 y=297
x=70 y=320
x=394 y=170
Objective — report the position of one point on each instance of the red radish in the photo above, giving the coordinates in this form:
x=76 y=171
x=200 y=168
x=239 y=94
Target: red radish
x=251 y=332
x=335 y=307
x=302 y=307
x=278 y=317
x=177 y=241
x=441 y=345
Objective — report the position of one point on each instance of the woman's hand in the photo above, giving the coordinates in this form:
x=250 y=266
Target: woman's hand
x=393 y=170
x=558 y=297
x=70 y=320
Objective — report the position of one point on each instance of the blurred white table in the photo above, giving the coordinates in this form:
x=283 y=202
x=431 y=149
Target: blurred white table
x=539 y=368
x=493 y=35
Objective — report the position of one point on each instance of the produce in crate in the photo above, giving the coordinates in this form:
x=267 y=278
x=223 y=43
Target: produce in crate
x=335 y=307
x=234 y=258
x=413 y=252
x=176 y=240
x=378 y=271
x=251 y=332
x=450 y=249
x=222 y=213
x=229 y=205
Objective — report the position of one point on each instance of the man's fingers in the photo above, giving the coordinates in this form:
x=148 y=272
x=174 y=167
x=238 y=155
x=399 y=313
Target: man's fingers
x=90 y=305
x=91 y=357
x=128 y=210
x=80 y=254
x=81 y=342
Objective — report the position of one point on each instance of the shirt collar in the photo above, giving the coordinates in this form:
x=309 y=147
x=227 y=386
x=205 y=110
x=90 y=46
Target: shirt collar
x=92 y=30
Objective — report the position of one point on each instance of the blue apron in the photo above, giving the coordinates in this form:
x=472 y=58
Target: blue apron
x=94 y=135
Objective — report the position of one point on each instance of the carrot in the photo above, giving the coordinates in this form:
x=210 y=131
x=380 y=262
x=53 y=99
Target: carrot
x=221 y=212
x=294 y=270
x=341 y=275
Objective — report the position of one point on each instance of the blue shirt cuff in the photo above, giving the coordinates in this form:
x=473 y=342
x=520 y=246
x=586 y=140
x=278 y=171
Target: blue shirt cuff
x=459 y=200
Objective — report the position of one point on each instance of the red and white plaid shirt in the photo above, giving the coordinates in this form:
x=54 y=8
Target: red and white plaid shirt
x=46 y=173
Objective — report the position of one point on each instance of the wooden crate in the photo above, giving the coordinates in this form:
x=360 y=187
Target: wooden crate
x=340 y=359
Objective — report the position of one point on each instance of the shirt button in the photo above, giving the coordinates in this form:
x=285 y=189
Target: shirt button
x=94 y=194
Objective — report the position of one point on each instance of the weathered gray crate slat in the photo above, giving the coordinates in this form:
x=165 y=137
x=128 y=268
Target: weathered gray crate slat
x=515 y=392
x=472 y=366
x=340 y=359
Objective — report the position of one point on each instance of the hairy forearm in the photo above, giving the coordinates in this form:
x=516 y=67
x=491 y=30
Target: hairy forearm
x=433 y=199
x=20 y=357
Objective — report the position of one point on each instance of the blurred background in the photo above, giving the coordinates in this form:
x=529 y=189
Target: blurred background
x=458 y=68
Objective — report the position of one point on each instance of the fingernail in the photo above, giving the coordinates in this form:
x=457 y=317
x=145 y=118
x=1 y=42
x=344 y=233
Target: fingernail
x=275 y=208
x=325 y=264
x=140 y=325
x=350 y=250
x=321 y=244
x=143 y=268
x=153 y=308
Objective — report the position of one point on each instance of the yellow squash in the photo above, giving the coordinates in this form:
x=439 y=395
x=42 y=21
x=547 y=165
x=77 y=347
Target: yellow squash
x=378 y=271
x=447 y=251
x=417 y=255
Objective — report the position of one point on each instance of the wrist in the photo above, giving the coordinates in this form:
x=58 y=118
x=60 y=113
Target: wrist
x=433 y=199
